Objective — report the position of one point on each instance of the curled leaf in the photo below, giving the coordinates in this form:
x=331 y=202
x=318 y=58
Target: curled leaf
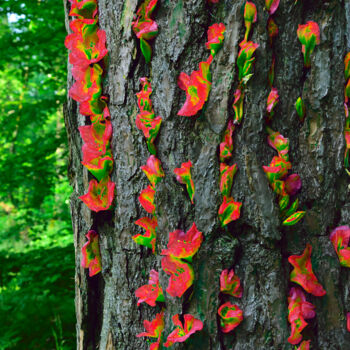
x=229 y=211
x=150 y=126
x=143 y=97
x=197 y=87
x=181 y=275
x=340 y=237
x=303 y=274
x=100 y=195
x=272 y=101
x=151 y=292
x=146 y=199
x=305 y=345
x=183 y=331
x=91 y=258
x=250 y=17
x=298 y=310
x=230 y=283
x=153 y=170
x=87 y=43
x=183 y=175
x=348 y=321
x=226 y=178
x=230 y=316
x=154 y=329
x=238 y=106
x=83 y=8
x=184 y=245
x=149 y=238
x=226 y=146
x=245 y=60
x=144 y=27
x=271 y=6
x=294 y=218
x=215 y=38
x=278 y=143
x=309 y=36
x=300 y=108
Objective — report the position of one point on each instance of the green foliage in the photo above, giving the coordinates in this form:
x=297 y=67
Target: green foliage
x=36 y=241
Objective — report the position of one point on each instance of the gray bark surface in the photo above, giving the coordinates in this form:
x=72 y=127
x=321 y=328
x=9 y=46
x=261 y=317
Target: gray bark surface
x=256 y=245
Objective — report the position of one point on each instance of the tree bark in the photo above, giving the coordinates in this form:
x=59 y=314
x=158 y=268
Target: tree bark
x=256 y=245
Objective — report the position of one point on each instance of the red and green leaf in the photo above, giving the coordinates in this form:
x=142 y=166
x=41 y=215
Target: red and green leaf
x=305 y=345
x=250 y=17
x=153 y=170
x=278 y=143
x=183 y=175
x=272 y=101
x=230 y=316
x=91 y=258
x=309 y=36
x=152 y=292
x=238 y=106
x=302 y=273
x=197 y=88
x=184 y=245
x=150 y=126
x=148 y=239
x=227 y=173
x=294 y=218
x=100 y=195
x=271 y=6
x=245 y=60
x=340 y=237
x=229 y=211
x=146 y=199
x=230 y=283
x=215 y=38
x=181 y=275
x=183 y=331
x=298 y=310
x=226 y=146
x=143 y=97
x=83 y=8
x=87 y=43
x=154 y=329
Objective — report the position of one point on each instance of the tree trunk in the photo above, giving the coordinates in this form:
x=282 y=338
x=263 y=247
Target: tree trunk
x=256 y=244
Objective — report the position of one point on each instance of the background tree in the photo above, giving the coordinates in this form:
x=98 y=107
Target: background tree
x=36 y=244
x=256 y=245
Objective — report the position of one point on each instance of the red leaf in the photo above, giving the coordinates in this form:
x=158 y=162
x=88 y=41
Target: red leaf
x=149 y=238
x=197 y=88
x=305 y=345
x=87 y=43
x=146 y=199
x=303 y=274
x=215 y=38
x=151 y=292
x=83 y=8
x=181 y=275
x=226 y=146
x=154 y=329
x=298 y=310
x=340 y=237
x=230 y=316
x=100 y=195
x=153 y=170
x=91 y=258
x=226 y=178
x=229 y=211
x=184 y=245
x=183 y=175
x=230 y=283
x=183 y=332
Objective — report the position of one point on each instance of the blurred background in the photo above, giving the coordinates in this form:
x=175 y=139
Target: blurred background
x=36 y=241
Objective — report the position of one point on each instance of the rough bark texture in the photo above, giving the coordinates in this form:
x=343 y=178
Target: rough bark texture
x=256 y=245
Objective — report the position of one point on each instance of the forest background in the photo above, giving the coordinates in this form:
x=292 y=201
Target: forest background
x=36 y=241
